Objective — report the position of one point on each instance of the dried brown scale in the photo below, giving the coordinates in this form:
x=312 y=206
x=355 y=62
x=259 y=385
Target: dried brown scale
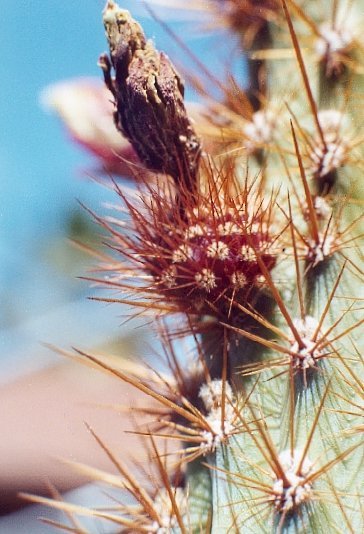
x=148 y=94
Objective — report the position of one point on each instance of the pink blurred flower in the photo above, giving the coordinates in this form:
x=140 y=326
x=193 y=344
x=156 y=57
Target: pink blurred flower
x=86 y=109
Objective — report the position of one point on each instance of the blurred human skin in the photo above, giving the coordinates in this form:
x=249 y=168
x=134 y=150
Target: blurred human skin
x=42 y=418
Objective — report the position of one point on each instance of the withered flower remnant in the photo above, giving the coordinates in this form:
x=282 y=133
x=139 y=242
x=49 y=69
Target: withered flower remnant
x=148 y=95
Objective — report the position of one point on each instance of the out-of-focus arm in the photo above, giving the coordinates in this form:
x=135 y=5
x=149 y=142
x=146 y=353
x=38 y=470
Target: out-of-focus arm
x=42 y=417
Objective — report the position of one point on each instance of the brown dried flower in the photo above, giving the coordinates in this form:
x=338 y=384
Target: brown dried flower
x=148 y=94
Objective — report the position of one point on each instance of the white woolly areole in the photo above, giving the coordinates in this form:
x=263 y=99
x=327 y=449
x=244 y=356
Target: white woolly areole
x=219 y=432
x=306 y=327
x=164 y=509
x=211 y=394
x=306 y=357
x=298 y=490
x=328 y=159
x=332 y=40
x=238 y=279
x=259 y=130
x=182 y=253
x=317 y=252
x=322 y=207
x=333 y=156
x=218 y=250
x=168 y=277
x=195 y=230
x=248 y=253
x=205 y=279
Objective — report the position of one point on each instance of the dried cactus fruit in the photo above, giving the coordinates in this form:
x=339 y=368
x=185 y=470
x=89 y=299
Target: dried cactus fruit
x=148 y=95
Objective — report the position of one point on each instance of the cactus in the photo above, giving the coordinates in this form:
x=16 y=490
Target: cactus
x=245 y=243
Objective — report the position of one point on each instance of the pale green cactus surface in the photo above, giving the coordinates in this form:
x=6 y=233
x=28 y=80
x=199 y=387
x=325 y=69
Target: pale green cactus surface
x=245 y=246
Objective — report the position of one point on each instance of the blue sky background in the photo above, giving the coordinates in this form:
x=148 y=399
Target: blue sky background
x=41 y=42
